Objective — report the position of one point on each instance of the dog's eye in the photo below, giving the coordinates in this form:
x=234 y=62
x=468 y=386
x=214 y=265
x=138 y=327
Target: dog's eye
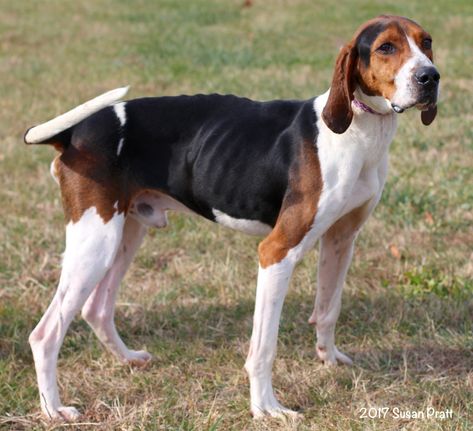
x=386 y=48
x=427 y=43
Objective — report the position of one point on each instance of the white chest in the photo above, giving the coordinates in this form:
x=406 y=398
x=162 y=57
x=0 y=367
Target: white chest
x=353 y=164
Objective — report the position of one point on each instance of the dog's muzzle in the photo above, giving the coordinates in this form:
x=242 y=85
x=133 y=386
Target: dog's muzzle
x=427 y=81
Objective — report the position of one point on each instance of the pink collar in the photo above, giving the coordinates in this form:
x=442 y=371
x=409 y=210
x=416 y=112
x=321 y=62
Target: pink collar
x=365 y=107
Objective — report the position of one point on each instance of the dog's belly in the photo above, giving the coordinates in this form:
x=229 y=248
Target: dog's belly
x=150 y=208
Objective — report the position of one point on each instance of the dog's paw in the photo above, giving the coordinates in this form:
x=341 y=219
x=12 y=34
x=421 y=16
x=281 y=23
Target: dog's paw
x=331 y=357
x=138 y=358
x=279 y=412
x=272 y=408
x=63 y=414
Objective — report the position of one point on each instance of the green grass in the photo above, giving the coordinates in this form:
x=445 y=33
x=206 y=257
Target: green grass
x=188 y=299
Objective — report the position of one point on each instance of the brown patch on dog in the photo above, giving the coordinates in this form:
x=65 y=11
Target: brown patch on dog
x=347 y=226
x=378 y=78
x=88 y=180
x=298 y=208
x=58 y=146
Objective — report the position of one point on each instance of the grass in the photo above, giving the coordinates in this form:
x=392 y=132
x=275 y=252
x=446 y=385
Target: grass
x=188 y=299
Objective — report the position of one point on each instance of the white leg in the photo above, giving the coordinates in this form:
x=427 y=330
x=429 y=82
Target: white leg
x=334 y=260
x=91 y=246
x=293 y=235
x=336 y=250
x=99 y=309
x=271 y=290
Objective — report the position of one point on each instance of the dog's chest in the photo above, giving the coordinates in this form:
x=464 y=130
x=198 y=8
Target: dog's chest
x=354 y=164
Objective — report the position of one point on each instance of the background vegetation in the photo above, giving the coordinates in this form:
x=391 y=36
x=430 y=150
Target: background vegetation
x=407 y=308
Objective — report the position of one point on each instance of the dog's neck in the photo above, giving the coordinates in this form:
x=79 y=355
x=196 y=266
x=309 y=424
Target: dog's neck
x=376 y=105
x=364 y=107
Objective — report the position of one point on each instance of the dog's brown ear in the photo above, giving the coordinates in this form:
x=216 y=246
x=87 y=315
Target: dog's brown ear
x=337 y=113
x=428 y=116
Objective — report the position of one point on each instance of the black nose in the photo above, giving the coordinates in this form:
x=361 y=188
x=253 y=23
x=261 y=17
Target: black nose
x=427 y=75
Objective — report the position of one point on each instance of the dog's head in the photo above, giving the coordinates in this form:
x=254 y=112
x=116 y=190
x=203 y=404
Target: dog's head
x=389 y=64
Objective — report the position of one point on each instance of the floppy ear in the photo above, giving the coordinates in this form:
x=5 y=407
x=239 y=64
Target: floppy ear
x=428 y=116
x=337 y=113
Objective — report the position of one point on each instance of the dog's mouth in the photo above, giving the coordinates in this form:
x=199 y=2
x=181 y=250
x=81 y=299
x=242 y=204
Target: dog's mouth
x=421 y=106
x=423 y=99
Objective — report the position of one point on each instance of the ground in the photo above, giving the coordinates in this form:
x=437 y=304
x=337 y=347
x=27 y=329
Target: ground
x=188 y=299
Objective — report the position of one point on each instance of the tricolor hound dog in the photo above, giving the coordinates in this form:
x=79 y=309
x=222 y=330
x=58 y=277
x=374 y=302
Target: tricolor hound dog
x=294 y=171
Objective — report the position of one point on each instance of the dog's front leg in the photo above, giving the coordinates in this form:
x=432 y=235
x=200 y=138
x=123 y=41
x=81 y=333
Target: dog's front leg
x=278 y=255
x=271 y=290
x=334 y=260
x=336 y=249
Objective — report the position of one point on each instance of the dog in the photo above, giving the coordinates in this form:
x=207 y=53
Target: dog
x=295 y=171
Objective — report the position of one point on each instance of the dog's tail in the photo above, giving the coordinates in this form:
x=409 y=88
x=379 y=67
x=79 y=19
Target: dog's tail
x=56 y=131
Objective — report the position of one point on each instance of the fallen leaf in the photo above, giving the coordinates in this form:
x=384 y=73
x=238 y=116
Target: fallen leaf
x=429 y=219
x=395 y=251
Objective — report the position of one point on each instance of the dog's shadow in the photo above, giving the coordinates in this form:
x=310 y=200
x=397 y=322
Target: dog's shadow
x=428 y=336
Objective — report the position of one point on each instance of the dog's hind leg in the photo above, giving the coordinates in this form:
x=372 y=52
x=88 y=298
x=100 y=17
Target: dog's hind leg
x=91 y=245
x=99 y=309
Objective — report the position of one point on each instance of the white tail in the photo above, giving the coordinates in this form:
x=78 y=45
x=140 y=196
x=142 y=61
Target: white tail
x=51 y=128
